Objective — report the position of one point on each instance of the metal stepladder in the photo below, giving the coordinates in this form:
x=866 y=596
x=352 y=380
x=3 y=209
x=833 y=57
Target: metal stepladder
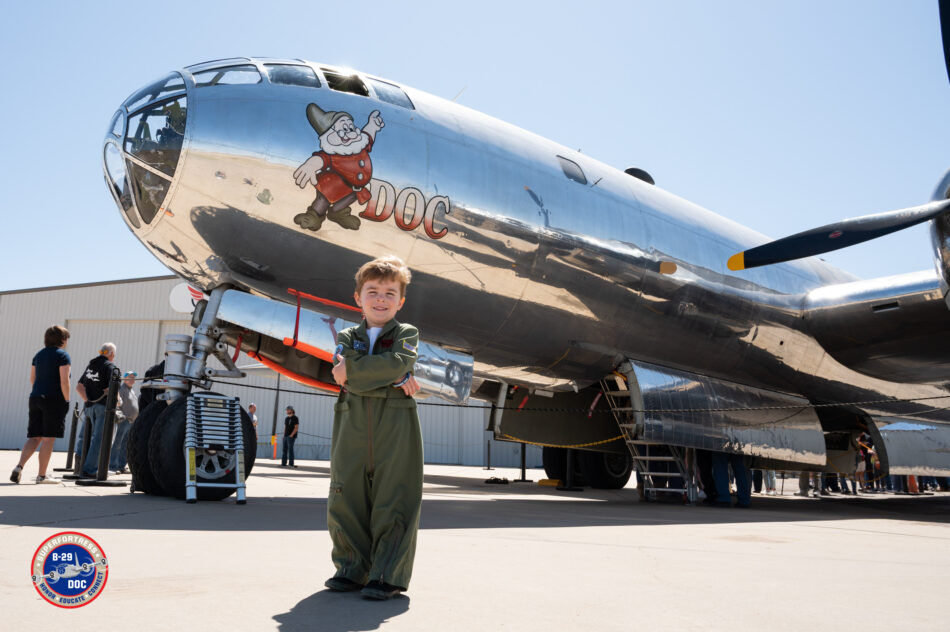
x=213 y=425
x=658 y=464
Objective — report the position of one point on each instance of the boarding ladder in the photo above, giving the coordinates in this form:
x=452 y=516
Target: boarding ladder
x=659 y=464
x=213 y=432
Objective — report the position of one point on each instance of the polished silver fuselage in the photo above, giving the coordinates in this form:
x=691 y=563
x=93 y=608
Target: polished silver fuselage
x=545 y=280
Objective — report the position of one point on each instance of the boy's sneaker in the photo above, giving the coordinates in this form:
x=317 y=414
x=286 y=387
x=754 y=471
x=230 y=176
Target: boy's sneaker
x=47 y=480
x=15 y=475
x=342 y=584
x=380 y=591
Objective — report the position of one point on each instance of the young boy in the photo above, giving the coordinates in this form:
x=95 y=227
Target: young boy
x=376 y=455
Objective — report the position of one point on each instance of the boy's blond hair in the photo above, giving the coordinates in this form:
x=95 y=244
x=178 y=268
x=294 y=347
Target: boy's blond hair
x=388 y=268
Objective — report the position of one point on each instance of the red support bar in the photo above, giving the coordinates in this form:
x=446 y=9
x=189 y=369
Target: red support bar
x=237 y=349
x=296 y=322
x=296 y=377
x=323 y=301
x=326 y=356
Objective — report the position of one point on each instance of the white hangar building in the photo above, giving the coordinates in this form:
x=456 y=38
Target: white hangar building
x=136 y=315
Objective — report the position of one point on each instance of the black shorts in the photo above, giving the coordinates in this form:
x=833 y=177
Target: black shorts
x=47 y=417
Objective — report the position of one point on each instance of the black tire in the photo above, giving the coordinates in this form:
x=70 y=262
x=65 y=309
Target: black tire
x=142 y=478
x=606 y=470
x=555 y=465
x=167 y=457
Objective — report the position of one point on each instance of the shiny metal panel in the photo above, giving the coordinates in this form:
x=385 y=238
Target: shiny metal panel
x=700 y=412
x=912 y=447
x=440 y=372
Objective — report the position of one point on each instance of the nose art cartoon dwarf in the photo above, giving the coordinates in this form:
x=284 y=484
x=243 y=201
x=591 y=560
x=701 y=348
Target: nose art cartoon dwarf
x=340 y=171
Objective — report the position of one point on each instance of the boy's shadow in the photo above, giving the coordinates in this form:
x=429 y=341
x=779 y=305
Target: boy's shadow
x=328 y=611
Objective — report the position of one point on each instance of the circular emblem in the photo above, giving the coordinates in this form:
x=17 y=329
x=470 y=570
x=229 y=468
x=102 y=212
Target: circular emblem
x=69 y=569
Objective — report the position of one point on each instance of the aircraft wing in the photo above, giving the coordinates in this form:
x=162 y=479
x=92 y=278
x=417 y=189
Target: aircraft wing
x=894 y=328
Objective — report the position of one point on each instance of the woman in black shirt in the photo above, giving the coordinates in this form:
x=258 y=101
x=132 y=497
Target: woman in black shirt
x=49 y=402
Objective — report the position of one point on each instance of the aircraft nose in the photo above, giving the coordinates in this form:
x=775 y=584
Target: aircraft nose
x=143 y=146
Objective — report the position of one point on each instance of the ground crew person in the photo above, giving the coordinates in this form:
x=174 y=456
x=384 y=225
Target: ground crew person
x=376 y=455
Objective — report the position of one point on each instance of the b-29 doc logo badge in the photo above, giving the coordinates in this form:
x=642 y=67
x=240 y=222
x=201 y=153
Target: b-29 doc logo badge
x=69 y=569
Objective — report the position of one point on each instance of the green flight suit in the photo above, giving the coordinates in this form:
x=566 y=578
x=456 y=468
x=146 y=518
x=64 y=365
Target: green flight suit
x=375 y=459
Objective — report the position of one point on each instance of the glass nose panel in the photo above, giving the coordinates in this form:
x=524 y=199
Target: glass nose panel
x=149 y=190
x=156 y=133
x=163 y=87
x=119 y=182
x=117 y=126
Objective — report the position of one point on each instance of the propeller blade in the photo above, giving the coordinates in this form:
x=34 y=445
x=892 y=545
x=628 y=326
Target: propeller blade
x=836 y=236
x=945 y=32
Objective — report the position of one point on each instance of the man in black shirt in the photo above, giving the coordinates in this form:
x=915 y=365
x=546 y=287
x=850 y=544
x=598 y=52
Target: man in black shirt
x=93 y=388
x=291 y=425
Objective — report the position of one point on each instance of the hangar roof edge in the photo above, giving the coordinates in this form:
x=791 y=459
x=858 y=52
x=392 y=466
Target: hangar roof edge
x=92 y=284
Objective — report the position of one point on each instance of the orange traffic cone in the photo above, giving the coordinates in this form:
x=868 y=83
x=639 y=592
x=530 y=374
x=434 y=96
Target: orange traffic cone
x=912 y=485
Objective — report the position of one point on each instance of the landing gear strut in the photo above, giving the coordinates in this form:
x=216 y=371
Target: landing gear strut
x=187 y=445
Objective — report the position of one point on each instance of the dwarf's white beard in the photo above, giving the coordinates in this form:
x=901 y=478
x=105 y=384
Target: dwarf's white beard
x=327 y=144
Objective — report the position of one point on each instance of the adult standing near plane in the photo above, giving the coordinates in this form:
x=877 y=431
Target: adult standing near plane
x=93 y=387
x=252 y=411
x=291 y=425
x=49 y=402
x=127 y=412
x=341 y=170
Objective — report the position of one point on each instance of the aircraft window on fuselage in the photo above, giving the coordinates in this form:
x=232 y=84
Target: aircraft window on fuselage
x=572 y=170
x=389 y=93
x=160 y=148
x=345 y=83
x=292 y=75
x=230 y=76
x=163 y=87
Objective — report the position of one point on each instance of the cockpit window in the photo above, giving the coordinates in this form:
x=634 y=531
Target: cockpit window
x=345 y=83
x=389 y=93
x=155 y=135
x=163 y=87
x=572 y=170
x=292 y=75
x=229 y=76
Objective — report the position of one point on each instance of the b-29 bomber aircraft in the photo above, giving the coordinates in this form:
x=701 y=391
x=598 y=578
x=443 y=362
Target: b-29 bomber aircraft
x=594 y=310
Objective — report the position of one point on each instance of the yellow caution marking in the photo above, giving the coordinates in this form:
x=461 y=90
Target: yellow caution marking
x=191 y=464
x=736 y=261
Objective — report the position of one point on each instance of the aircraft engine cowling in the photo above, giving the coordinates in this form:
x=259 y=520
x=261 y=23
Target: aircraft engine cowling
x=940 y=234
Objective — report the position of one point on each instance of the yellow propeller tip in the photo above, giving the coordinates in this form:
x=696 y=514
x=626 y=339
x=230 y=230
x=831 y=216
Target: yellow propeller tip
x=736 y=262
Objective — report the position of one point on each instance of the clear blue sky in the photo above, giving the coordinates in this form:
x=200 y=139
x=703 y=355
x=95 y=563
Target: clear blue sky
x=781 y=116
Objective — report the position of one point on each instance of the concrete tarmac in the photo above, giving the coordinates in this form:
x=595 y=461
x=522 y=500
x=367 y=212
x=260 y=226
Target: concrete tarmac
x=517 y=557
